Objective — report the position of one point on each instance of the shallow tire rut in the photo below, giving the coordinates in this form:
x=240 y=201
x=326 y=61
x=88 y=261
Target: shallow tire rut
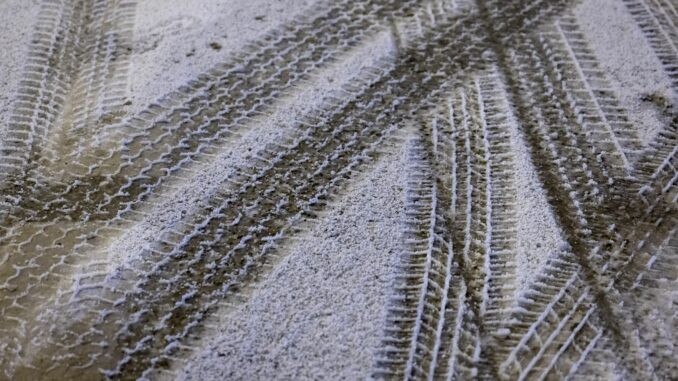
x=78 y=171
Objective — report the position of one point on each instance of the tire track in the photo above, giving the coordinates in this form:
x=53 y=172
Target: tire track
x=171 y=134
x=568 y=311
x=40 y=97
x=76 y=71
x=598 y=362
x=54 y=224
x=647 y=233
x=659 y=157
x=172 y=137
x=658 y=21
x=554 y=319
x=196 y=262
x=79 y=48
x=559 y=273
x=385 y=362
x=557 y=324
x=455 y=316
x=421 y=239
x=650 y=285
x=500 y=284
x=601 y=113
x=574 y=349
x=99 y=93
x=206 y=110
x=588 y=267
x=295 y=151
x=468 y=264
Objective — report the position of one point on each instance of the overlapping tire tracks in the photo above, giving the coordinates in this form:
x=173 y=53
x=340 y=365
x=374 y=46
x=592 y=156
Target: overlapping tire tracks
x=51 y=221
x=463 y=239
x=614 y=214
x=178 y=305
x=455 y=313
x=110 y=207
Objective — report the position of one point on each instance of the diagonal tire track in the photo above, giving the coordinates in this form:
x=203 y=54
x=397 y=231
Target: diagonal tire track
x=175 y=134
x=465 y=323
x=85 y=210
x=78 y=58
x=559 y=325
x=409 y=80
x=590 y=269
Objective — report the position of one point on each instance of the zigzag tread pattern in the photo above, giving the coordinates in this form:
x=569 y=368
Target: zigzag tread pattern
x=463 y=76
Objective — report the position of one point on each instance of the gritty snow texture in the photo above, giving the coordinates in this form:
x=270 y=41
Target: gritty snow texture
x=176 y=39
x=15 y=34
x=322 y=310
x=626 y=57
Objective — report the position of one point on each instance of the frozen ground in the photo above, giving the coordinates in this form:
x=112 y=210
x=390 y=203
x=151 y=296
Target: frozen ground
x=279 y=189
